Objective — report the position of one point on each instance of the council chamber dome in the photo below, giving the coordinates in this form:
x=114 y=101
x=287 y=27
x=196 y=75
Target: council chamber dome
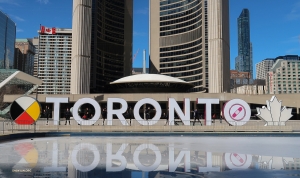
x=149 y=83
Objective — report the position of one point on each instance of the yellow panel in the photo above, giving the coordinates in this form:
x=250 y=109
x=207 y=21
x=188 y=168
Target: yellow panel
x=34 y=111
x=32 y=157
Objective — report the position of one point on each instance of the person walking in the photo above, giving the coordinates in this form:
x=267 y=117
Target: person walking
x=196 y=117
x=48 y=111
x=148 y=113
x=67 y=116
x=104 y=114
x=130 y=114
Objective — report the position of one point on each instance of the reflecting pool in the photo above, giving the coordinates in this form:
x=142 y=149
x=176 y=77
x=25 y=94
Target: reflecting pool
x=157 y=156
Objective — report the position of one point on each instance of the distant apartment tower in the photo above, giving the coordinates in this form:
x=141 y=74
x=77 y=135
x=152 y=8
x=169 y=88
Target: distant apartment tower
x=102 y=43
x=263 y=67
x=7 y=41
x=284 y=77
x=179 y=41
x=54 y=62
x=243 y=62
x=24 y=56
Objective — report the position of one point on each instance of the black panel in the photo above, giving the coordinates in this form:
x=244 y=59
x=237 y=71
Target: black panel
x=15 y=110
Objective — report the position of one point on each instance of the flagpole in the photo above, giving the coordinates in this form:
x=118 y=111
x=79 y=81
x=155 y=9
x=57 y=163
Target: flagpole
x=38 y=59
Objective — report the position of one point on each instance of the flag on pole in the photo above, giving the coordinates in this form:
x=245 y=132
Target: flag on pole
x=47 y=30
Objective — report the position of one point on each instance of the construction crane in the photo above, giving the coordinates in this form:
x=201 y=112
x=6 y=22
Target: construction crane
x=133 y=58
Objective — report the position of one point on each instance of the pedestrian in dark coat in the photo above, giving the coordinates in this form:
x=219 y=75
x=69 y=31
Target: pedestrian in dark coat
x=67 y=116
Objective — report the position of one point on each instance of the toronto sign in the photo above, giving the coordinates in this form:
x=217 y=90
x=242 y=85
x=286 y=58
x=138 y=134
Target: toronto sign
x=26 y=110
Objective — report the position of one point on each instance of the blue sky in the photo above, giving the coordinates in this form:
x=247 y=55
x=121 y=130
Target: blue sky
x=275 y=24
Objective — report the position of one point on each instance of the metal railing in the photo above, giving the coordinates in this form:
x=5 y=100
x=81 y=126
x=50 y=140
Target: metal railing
x=101 y=125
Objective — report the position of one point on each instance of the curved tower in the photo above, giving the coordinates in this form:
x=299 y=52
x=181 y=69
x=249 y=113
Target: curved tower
x=81 y=46
x=179 y=39
x=111 y=49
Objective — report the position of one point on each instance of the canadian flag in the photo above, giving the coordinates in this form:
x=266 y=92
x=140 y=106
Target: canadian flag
x=47 y=30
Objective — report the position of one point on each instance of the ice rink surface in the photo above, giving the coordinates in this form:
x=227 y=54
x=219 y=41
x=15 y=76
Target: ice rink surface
x=157 y=156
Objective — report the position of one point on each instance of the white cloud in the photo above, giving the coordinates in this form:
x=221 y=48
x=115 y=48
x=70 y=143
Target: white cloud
x=19 y=30
x=13 y=2
x=17 y=18
x=295 y=12
x=135 y=33
x=43 y=1
x=294 y=39
x=143 y=11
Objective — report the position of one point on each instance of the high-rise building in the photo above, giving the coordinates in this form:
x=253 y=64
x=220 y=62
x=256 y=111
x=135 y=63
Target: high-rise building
x=7 y=41
x=263 y=67
x=54 y=62
x=102 y=34
x=181 y=38
x=243 y=62
x=24 y=56
x=284 y=77
x=35 y=42
x=111 y=49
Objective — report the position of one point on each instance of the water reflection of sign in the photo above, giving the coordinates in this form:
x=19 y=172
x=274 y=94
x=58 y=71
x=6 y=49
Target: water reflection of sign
x=238 y=161
x=29 y=157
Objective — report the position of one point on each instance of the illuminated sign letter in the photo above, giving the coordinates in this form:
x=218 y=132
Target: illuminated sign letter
x=118 y=156
x=173 y=106
x=118 y=113
x=79 y=103
x=140 y=103
x=208 y=103
x=56 y=102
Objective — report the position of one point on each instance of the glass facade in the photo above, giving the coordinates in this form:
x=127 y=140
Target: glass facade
x=243 y=62
x=109 y=49
x=187 y=58
x=7 y=41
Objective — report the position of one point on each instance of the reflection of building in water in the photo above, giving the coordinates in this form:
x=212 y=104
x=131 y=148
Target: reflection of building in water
x=292 y=165
x=278 y=163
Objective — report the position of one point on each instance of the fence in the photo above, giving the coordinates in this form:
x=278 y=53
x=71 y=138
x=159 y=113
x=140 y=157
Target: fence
x=8 y=126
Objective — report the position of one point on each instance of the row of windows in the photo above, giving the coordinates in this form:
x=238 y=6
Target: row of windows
x=179 y=69
x=173 y=48
x=189 y=79
x=114 y=35
x=171 y=6
x=182 y=74
x=171 y=27
x=117 y=3
x=182 y=52
x=168 y=12
x=185 y=13
x=192 y=27
x=174 y=64
x=181 y=19
x=116 y=19
x=178 y=58
x=114 y=24
x=118 y=13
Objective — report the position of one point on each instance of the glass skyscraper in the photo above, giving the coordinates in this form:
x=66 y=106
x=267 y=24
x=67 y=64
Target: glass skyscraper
x=243 y=62
x=7 y=41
